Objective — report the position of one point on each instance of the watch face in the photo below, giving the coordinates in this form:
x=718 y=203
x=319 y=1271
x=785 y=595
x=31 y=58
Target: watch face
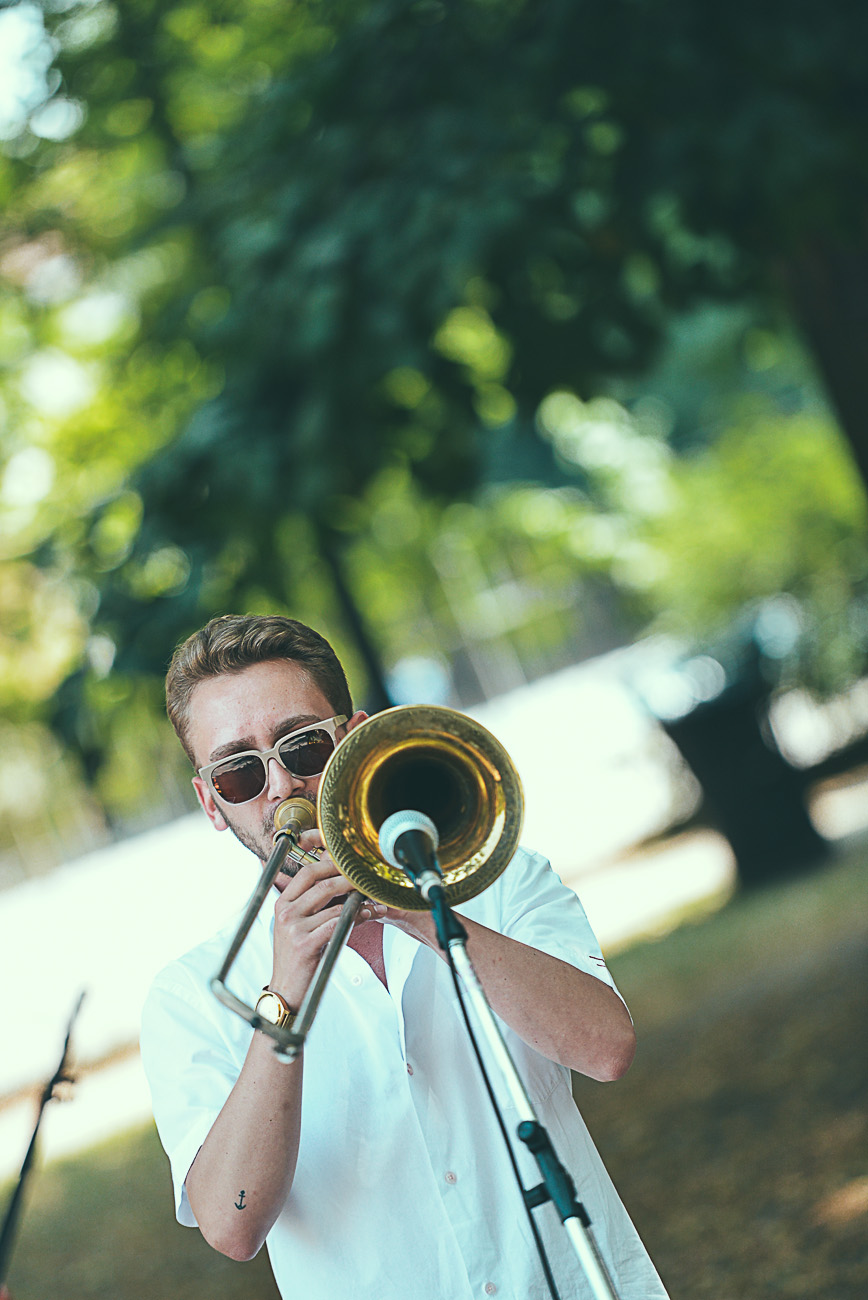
x=269 y=1008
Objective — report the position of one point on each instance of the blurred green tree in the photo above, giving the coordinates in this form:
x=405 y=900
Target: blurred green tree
x=287 y=250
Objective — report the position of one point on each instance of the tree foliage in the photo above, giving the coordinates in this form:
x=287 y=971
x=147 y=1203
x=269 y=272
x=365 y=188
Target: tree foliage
x=256 y=257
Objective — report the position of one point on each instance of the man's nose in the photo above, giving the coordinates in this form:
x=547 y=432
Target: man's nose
x=280 y=783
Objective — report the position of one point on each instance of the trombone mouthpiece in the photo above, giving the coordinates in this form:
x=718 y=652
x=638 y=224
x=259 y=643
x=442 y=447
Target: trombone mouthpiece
x=295 y=815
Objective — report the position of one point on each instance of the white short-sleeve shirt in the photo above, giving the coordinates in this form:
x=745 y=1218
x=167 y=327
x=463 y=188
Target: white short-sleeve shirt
x=399 y=1144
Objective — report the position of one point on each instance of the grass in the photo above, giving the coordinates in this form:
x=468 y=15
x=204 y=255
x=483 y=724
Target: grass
x=758 y=936
x=738 y=1141
x=102 y=1225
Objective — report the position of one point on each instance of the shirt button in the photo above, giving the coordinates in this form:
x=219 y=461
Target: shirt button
x=490 y=1288
x=450 y=1177
x=409 y=1068
x=357 y=979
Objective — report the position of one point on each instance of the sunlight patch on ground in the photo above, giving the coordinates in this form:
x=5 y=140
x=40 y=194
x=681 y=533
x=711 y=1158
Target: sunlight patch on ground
x=649 y=894
x=846 y=1204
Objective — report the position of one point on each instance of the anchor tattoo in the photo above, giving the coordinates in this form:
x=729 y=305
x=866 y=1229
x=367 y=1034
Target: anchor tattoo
x=239 y=1204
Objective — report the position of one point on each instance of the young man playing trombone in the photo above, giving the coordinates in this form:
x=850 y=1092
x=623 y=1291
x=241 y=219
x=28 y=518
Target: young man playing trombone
x=371 y=1165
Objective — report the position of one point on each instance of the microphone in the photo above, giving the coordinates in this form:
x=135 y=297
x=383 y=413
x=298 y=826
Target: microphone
x=409 y=841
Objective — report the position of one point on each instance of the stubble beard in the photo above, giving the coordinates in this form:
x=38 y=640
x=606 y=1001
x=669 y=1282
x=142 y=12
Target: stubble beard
x=261 y=844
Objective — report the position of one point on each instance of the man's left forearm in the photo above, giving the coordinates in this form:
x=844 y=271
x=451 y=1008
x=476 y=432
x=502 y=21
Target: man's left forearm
x=564 y=1013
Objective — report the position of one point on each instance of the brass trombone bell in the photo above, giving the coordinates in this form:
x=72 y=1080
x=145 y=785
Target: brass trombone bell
x=432 y=760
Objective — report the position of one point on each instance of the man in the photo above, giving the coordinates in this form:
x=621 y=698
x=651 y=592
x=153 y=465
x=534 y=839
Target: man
x=371 y=1165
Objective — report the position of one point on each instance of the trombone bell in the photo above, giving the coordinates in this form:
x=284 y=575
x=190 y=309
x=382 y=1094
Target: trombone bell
x=433 y=760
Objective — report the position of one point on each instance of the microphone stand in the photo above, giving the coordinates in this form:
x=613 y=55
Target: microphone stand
x=409 y=840
x=13 y=1212
x=556 y=1185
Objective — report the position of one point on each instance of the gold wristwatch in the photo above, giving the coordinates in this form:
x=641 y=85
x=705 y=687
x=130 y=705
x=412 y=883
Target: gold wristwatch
x=275 y=1009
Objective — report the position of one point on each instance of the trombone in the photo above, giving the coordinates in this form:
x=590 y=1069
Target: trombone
x=424 y=758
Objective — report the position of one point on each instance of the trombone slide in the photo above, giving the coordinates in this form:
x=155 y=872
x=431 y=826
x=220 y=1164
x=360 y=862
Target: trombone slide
x=292 y=817
x=282 y=846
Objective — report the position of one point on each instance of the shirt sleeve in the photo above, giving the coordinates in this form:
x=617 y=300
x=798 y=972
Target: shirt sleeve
x=538 y=909
x=191 y=1066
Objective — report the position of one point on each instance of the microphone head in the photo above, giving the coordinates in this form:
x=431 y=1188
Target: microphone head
x=396 y=825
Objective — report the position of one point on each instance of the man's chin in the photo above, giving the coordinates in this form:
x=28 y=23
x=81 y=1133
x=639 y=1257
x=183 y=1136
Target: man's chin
x=259 y=846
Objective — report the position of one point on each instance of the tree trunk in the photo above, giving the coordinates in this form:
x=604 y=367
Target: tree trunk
x=828 y=289
x=755 y=798
x=378 y=692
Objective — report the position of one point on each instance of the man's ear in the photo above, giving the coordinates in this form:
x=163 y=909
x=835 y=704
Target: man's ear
x=209 y=803
x=359 y=716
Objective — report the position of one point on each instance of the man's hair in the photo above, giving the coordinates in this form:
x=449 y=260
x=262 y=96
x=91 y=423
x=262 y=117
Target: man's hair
x=235 y=641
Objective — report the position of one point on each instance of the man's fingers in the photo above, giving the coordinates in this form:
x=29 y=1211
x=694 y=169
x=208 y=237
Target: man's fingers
x=312 y=900
x=307 y=878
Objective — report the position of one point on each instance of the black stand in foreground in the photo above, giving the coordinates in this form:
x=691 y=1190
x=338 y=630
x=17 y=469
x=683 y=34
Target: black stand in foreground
x=13 y=1213
x=557 y=1186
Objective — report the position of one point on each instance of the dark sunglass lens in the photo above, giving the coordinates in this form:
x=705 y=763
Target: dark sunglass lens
x=307 y=755
x=239 y=779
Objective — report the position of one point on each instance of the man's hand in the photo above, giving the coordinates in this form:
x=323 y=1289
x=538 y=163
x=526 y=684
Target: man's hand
x=305 y=917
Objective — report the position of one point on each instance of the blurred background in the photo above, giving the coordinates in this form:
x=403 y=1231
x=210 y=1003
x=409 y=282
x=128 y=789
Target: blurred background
x=523 y=350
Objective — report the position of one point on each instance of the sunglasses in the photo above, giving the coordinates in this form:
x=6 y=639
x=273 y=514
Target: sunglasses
x=242 y=777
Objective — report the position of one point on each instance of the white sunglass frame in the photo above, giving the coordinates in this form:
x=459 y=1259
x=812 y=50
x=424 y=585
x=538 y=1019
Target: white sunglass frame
x=206 y=773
